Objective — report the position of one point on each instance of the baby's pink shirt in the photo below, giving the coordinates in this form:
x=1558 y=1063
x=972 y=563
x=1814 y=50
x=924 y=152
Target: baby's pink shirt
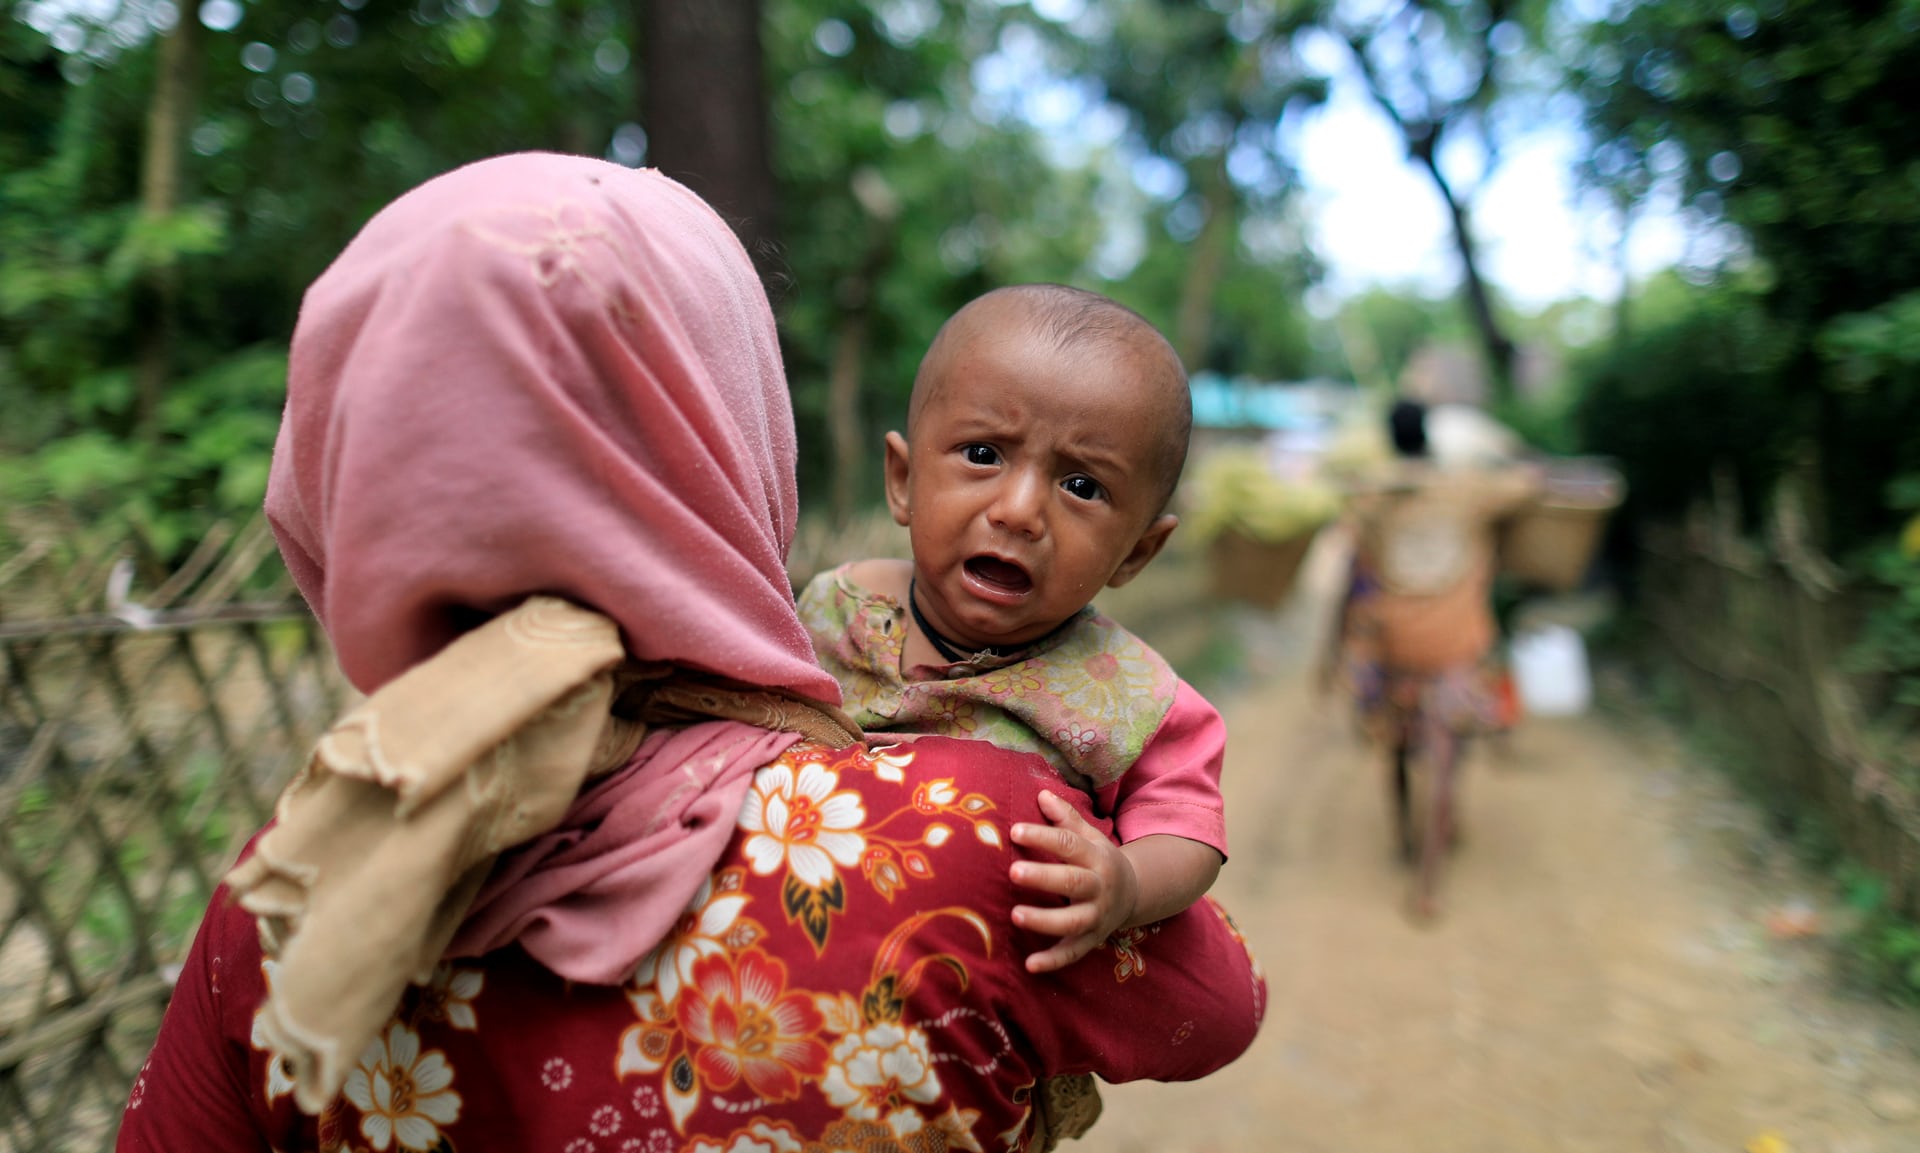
x=1174 y=787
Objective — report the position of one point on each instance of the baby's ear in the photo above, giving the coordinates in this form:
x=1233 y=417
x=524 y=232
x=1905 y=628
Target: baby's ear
x=898 y=472
x=1145 y=549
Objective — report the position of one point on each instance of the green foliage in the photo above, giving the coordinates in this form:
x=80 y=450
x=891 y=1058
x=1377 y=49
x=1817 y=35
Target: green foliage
x=893 y=111
x=1788 y=119
x=1259 y=329
x=1882 y=947
x=1380 y=329
x=1548 y=424
x=1879 y=348
x=1787 y=122
x=307 y=120
x=1698 y=386
x=1889 y=644
x=64 y=320
x=158 y=243
x=207 y=460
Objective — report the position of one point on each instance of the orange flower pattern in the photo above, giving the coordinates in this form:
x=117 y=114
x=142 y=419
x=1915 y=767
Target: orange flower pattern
x=745 y=1026
x=906 y=1026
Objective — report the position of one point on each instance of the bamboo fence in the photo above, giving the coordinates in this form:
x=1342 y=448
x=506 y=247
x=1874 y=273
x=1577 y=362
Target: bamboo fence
x=148 y=717
x=1762 y=633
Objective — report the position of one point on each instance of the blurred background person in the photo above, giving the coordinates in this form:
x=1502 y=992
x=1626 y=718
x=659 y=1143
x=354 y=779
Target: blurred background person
x=1415 y=628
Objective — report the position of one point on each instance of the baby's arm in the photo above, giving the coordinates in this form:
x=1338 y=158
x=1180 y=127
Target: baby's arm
x=1167 y=808
x=1109 y=887
x=1170 y=873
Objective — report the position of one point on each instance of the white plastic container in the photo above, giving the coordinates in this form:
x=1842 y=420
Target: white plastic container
x=1550 y=672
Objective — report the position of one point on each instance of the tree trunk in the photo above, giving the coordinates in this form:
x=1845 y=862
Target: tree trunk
x=1422 y=135
x=1494 y=340
x=157 y=294
x=1193 y=331
x=1622 y=306
x=846 y=431
x=705 y=112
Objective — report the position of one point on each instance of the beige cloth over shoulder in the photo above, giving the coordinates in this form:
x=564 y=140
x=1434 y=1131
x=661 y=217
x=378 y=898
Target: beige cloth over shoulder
x=382 y=840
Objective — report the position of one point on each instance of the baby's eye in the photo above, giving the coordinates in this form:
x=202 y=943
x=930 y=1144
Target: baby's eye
x=980 y=454
x=1084 y=487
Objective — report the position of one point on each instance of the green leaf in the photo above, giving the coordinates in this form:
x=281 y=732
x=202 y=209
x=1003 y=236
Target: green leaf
x=469 y=41
x=154 y=243
x=85 y=464
x=813 y=907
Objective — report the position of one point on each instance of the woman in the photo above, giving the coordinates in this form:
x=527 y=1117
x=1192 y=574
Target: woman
x=599 y=866
x=1416 y=625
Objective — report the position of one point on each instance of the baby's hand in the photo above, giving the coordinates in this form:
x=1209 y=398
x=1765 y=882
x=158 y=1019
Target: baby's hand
x=1093 y=874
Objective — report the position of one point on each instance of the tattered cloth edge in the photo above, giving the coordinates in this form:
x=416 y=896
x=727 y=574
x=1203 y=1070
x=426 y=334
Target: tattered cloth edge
x=382 y=840
x=1064 y=1109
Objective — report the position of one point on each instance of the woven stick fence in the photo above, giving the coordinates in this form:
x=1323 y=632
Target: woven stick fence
x=1761 y=634
x=148 y=716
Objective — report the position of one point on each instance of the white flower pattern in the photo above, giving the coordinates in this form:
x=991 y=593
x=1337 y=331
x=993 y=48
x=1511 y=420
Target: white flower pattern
x=454 y=990
x=759 y=1137
x=701 y=931
x=802 y=820
x=875 y=1073
x=1077 y=740
x=403 y=1095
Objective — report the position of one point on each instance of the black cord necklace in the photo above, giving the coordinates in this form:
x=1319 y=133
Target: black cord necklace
x=952 y=652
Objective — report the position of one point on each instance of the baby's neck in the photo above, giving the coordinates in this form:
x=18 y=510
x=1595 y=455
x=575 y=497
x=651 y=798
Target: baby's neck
x=894 y=578
x=917 y=649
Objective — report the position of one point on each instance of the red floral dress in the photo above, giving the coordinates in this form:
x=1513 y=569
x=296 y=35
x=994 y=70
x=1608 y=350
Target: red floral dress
x=847 y=978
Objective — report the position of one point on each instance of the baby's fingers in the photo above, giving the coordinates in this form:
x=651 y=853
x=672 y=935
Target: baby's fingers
x=1058 y=920
x=1069 y=881
x=1068 y=838
x=1065 y=816
x=1062 y=955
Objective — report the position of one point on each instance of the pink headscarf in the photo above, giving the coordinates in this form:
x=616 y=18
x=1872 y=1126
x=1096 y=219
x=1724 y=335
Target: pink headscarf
x=546 y=374
x=543 y=374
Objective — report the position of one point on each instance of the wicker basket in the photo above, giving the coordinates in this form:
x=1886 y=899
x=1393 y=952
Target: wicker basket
x=1551 y=543
x=1259 y=572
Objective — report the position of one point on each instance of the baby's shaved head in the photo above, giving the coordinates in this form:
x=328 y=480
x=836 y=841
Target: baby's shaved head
x=1073 y=318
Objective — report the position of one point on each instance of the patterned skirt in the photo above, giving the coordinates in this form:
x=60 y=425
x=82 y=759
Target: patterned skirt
x=1470 y=699
x=1467 y=700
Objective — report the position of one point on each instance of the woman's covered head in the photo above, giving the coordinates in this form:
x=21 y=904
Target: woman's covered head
x=1407 y=425
x=543 y=374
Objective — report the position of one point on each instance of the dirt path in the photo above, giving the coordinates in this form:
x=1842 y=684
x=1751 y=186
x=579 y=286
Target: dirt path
x=1602 y=979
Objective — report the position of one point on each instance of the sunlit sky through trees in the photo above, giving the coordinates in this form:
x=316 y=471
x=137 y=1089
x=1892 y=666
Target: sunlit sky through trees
x=1371 y=215
x=1374 y=218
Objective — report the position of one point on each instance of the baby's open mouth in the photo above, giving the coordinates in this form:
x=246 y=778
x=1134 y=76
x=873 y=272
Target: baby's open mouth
x=999 y=574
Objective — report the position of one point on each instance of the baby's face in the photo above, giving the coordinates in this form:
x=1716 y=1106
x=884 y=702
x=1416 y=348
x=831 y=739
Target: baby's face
x=1031 y=480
